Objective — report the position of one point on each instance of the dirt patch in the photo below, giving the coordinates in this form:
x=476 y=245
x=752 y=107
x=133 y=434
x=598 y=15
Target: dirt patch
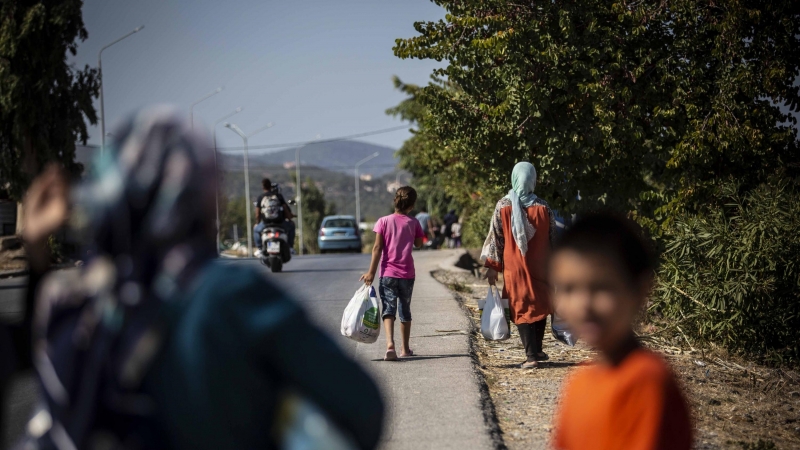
x=735 y=404
x=522 y=401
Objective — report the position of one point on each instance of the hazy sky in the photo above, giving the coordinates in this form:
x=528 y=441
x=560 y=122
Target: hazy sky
x=309 y=66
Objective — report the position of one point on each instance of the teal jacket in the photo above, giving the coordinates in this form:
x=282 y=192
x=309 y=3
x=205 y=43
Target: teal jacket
x=235 y=345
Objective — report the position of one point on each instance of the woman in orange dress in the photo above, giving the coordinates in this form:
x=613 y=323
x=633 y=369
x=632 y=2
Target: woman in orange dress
x=518 y=244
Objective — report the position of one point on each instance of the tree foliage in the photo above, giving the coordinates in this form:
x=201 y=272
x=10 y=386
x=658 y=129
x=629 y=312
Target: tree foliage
x=679 y=112
x=315 y=208
x=640 y=105
x=437 y=173
x=731 y=275
x=43 y=101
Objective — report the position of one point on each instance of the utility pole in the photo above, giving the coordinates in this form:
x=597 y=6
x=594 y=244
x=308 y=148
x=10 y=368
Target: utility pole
x=205 y=97
x=100 y=73
x=216 y=167
x=245 y=137
x=299 y=188
x=358 y=196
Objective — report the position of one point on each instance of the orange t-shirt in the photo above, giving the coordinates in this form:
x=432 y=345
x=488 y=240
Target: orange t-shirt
x=636 y=405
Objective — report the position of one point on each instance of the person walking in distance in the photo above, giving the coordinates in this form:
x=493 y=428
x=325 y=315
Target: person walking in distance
x=455 y=231
x=272 y=210
x=450 y=219
x=396 y=235
x=426 y=222
x=521 y=233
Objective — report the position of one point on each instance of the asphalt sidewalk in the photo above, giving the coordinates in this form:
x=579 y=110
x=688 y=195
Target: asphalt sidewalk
x=434 y=397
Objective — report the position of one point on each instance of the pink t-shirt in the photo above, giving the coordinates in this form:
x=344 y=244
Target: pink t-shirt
x=399 y=232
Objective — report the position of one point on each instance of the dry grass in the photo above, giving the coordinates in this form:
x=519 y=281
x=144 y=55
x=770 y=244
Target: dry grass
x=735 y=403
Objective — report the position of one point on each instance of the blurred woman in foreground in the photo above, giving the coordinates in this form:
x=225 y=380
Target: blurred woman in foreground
x=153 y=343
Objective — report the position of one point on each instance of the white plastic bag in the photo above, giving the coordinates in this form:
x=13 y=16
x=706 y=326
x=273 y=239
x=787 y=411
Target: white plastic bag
x=361 y=318
x=503 y=301
x=301 y=425
x=494 y=325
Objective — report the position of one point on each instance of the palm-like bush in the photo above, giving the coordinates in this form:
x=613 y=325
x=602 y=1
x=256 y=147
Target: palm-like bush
x=731 y=276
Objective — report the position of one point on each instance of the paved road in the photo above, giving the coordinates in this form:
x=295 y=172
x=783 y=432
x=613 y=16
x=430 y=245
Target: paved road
x=433 y=398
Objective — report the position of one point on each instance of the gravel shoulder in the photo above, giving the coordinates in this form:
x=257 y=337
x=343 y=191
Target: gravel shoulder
x=735 y=404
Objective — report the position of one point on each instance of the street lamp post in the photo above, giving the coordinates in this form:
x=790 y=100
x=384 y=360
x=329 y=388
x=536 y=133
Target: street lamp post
x=216 y=167
x=299 y=189
x=358 y=194
x=245 y=137
x=205 y=97
x=100 y=73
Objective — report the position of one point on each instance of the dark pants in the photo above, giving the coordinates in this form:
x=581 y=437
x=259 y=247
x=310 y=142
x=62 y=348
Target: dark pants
x=532 y=335
x=396 y=297
x=287 y=226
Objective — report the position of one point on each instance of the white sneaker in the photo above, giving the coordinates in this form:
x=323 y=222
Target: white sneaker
x=258 y=253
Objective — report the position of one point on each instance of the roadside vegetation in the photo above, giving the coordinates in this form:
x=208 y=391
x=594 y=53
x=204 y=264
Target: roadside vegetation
x=736 y=403
x=682 y=113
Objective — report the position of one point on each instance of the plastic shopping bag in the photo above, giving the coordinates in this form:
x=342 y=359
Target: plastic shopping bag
x=301 y=425
x=494 y=324
x=561 y=332
x=361 y=318
x=503 y=301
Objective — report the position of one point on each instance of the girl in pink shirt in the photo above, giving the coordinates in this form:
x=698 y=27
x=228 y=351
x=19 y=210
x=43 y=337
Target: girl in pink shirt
x=396 y=235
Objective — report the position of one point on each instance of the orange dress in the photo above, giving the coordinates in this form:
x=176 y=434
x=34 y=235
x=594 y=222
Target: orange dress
x=524 y=277
x=635 y=406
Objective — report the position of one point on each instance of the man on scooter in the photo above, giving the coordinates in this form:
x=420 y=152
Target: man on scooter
x=272 y=210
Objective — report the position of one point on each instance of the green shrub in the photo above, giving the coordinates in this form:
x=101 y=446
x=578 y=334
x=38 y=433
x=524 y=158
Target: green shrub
x=367 y=241
x=731 y=275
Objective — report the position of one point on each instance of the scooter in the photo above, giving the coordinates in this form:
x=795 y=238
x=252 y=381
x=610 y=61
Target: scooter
x=275 y=248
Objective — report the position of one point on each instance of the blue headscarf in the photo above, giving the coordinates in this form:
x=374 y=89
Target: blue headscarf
x=523 y=182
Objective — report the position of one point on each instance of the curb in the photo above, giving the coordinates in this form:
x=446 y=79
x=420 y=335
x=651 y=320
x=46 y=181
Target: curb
x=13 y=273
x=25 y=271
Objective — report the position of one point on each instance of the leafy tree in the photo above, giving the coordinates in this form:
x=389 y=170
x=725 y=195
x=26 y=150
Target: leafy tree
x=677 y=111
x=441 y=179
x=642 y=105
x=314 y=210
x=730 y=275
x=423 y=155
x=232 y=212
x=43 y=100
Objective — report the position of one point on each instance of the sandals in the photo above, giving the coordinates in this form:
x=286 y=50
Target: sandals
x=391 y=355
x=542 y=356
x=529 y=365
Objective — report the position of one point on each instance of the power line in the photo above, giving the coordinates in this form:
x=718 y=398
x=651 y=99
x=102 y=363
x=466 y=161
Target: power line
x=295 y=144
x=311 y=166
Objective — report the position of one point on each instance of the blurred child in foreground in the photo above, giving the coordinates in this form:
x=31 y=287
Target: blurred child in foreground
x=602 y=271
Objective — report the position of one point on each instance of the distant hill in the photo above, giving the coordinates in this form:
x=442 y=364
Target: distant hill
x=338 y=156
x=338 y=188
